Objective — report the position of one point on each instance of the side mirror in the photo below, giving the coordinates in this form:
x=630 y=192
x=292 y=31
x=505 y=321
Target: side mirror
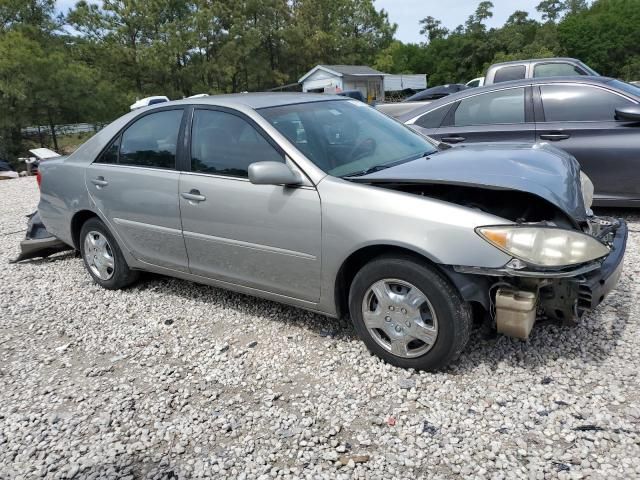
x=630 y=113
x=273 y=173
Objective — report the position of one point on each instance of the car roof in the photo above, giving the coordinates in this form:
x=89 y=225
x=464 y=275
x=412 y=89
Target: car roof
x=257 y=100
x=536 y=60
x=585 y=79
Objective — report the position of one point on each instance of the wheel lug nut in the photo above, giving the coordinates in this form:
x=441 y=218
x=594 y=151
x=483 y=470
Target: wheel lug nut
x=408 y=324
x=398 y=328
x=404 y=310
x=387 y=318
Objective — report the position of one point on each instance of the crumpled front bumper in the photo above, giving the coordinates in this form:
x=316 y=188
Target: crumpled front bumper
x=594 y=286
x=560 y=294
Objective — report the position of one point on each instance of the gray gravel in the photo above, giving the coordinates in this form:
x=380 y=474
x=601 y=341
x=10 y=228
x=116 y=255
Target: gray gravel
x=171 y=379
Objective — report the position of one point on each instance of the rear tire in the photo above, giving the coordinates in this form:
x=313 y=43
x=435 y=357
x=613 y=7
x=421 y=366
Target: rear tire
x=408 y=314
x=102 y=257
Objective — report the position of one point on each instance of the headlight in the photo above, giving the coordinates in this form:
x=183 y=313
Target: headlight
x=543 y=246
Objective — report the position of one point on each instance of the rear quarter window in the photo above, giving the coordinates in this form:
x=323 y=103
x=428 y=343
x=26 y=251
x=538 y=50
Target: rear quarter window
x=505 y=74
x=434 y=118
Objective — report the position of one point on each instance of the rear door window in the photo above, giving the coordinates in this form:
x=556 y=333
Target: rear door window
x=152 y=140
x=579 y=103
x=500 y=107
x=556 y=70
x=505 y=74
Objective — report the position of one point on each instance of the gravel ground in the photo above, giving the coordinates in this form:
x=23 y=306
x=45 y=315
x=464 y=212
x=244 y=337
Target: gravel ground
x=170 y=379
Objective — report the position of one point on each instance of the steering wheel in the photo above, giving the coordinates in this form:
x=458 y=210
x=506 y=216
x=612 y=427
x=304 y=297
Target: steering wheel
x=362 y=149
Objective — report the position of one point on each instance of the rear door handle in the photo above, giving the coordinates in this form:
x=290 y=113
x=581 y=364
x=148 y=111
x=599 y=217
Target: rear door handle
x=193 y=196
x=554 y=137
x=99 y=182
x=455 y=139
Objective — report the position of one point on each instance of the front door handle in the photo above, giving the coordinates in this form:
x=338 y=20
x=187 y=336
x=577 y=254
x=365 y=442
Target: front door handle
x=193 y=196
x=455 y=139
x=555 y=136
x=99 y=182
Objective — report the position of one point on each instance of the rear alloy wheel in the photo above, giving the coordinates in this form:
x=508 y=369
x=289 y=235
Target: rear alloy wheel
x=408 y=314
x=102 y=256
x=98 y=255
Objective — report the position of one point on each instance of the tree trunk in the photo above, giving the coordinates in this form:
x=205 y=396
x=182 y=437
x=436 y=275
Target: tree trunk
x=52 y=126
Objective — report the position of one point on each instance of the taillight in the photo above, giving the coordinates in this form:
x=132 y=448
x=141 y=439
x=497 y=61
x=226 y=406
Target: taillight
x=39 y=178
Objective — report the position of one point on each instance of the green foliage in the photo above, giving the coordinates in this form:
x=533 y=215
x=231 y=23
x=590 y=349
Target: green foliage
x=432 y=28
x=605 y=36
x=92 y=62
x=551 y=9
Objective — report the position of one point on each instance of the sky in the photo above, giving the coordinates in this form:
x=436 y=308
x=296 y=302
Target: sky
x=407 y=13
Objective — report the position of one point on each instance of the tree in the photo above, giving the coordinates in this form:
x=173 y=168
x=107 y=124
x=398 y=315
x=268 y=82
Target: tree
x=519 y=17
x=551 y=9
x=482 y=13
x=35 y=15
x=575 y=6
x=605 y=36
x=432 y=29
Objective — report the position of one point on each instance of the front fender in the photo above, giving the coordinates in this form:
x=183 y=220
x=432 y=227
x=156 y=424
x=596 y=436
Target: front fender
x=357 y=216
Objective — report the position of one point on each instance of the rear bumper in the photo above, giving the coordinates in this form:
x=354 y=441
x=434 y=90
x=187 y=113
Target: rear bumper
x=39 y=242
x=594 y=286
x=40 y=247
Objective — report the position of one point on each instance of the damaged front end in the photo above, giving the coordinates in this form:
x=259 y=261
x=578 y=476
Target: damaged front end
x=520 y=292
x=563 y=259
x=38 y=241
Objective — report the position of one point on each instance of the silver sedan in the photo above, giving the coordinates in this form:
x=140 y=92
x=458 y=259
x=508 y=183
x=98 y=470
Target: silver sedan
x=323 y=203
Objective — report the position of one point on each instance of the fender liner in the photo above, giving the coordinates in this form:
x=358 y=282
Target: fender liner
x=473 y=288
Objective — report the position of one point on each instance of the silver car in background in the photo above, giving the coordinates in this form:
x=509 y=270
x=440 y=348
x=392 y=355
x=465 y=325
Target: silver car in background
x=326 y=204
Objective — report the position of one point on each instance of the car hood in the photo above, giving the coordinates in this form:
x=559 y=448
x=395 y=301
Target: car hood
x=539 y=169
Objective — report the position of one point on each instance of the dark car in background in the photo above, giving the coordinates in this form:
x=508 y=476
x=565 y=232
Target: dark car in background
x=419 y=99
x=596 y=119
x=435 y=93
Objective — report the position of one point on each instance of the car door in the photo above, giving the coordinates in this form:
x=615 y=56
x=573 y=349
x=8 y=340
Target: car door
x=580 y=119
x=503 y=115
x=134 y=184
x=265 y=237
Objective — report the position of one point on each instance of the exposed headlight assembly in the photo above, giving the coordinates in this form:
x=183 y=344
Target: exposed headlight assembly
x=586 y=185
x=544 y=246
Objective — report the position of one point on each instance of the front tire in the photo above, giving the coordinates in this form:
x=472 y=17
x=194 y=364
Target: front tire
x=408 y=314
x=102 y=257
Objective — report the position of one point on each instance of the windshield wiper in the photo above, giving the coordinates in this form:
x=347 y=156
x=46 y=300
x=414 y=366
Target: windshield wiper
x=377 y=168
x=367 y=171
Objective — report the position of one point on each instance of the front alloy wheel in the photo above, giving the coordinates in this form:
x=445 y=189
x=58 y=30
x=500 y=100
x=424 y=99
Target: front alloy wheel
x=408 y=313
x=400 y=318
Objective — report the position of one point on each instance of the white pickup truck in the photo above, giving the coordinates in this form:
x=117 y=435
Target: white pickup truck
x=535 y=68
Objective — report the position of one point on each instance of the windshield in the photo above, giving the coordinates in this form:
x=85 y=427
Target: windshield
x=627 y=87
x=347 y=137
